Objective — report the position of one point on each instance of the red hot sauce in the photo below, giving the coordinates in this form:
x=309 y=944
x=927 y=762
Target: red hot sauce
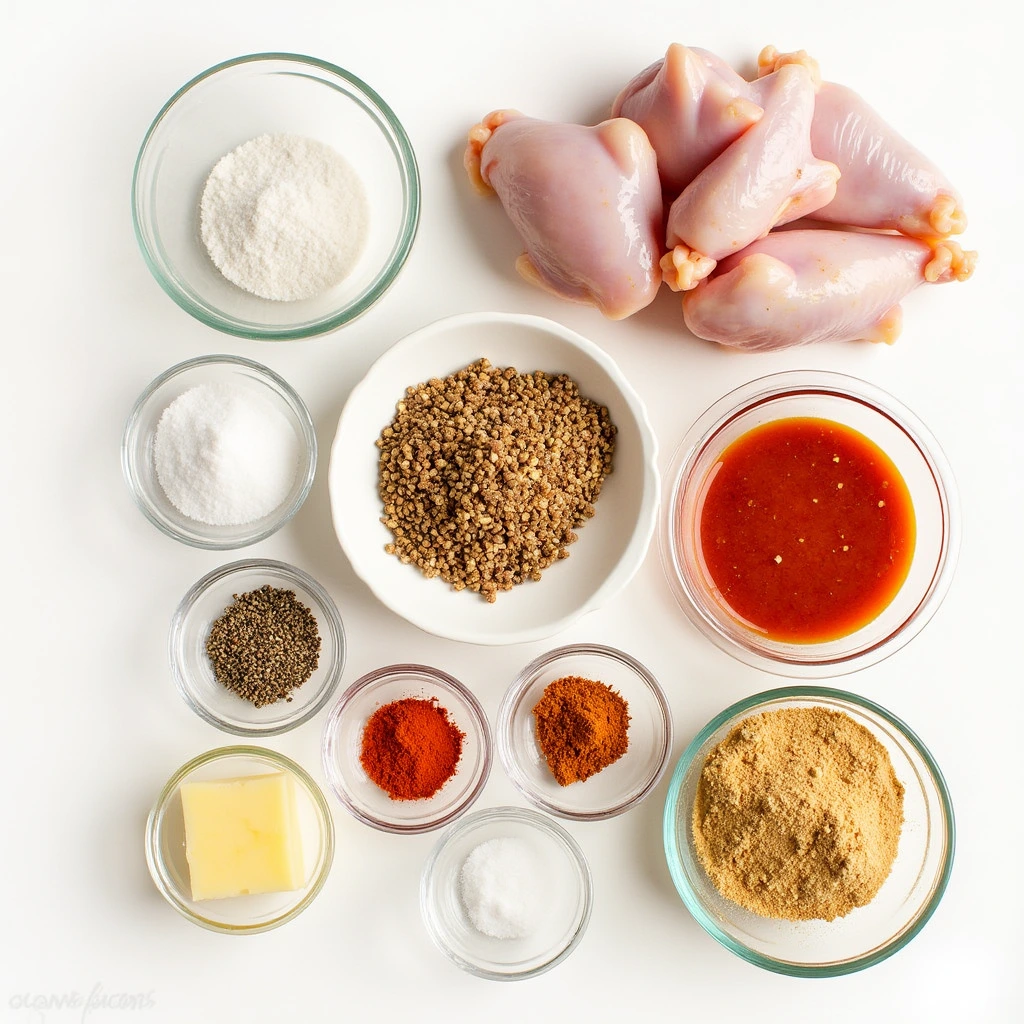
x=807 y=529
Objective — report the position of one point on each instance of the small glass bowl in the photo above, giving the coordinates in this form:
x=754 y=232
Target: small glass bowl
x=342 y=745
x=192 y=669
x=271 y=93
x=567 y=896
x=893 y=428
x=237 y=915
x=138 y=466
x=625 y=782
x=867 y=935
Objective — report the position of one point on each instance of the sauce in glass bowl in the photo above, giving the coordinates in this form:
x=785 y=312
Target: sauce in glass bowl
x=806 y=528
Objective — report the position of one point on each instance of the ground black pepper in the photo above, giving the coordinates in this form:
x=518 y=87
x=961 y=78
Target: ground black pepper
x=265 y=645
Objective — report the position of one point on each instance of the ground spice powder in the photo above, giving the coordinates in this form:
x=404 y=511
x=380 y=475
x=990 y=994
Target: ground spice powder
x=582 y=727
x=798 y=814
x=411 y=748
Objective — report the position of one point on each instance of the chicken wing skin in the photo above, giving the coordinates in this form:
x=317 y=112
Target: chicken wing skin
x=886 y=182
x=586 y=202
x=692 y=105
x=799 y=286
x=768 y=176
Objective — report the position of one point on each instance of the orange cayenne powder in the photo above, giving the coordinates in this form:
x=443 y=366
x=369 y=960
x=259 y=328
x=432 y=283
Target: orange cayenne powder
x=807 y=529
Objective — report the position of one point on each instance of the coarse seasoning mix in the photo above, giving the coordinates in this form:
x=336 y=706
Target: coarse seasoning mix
x=264 y=645
x=485 y=474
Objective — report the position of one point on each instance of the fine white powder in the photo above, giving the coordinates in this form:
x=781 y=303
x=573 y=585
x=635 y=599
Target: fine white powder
x=284 y=217
x=499 y=888
x=224 y=455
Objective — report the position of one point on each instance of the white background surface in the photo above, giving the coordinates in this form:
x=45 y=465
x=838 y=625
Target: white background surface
x=92 y=724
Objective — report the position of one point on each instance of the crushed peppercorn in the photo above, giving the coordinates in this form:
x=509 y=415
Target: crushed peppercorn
x=264 y=645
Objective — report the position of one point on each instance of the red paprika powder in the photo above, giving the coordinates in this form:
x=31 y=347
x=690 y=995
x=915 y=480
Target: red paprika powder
x=411 y=748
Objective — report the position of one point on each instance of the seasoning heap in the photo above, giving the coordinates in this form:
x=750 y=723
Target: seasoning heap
x=224 y=455
x=582 y=727
x=265 y=645
x=485 y=474
x=411 y=748
x=284 y=217
x=798 y=814
x=498 y=885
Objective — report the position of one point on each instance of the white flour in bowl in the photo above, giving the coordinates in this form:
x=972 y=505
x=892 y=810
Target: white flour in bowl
x=284 y=217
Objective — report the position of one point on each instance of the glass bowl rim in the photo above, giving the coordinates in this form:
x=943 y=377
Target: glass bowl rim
x=795 y=383
x=329 y=738
x=412 y=202
x=335 y=627
x=536 y=820
x=323 y=814
x=291 y=398
x=514 y=691
x=749 y=705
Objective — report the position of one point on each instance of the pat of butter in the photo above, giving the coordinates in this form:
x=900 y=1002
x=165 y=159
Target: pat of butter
x=242 y=836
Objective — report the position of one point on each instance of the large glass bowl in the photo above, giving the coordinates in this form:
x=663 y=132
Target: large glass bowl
x=867 y=935
x=231 y=103
x=892 y=427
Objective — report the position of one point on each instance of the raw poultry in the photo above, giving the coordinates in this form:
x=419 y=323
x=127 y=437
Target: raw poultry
x=732 y=160
x=586 y=202
x=804 y=285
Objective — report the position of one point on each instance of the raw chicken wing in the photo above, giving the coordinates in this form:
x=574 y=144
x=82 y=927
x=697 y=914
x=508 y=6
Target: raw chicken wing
x=768 y=176
x=692 y=105
x=585 y=200
x=799 y=286
x=886 y=182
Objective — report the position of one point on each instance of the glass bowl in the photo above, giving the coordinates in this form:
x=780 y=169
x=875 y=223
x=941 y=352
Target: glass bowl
x=342 y=744
x=611 y=545
x=892 y=427
x=625 y=782
x=867 y=935
x=137 y=462
x=271 y=93
x=566 y=895
x=192 y=669
x=237 y=915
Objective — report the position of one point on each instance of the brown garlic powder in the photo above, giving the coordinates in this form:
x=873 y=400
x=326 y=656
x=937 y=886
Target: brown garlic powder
x=798 y=814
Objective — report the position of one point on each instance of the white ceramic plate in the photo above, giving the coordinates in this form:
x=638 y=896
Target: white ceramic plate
x=611 y=545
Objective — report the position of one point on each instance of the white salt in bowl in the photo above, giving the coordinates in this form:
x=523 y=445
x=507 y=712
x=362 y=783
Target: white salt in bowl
x=238 y=915
x=242 y=99
x=611 y=545
x=137 y=461
x=868 y=934
x=558 y=900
